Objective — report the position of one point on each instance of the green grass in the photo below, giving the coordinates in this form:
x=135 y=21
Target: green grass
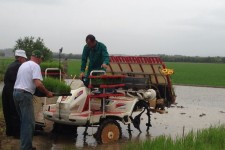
x=205 y=74
x=74 y=67
x=4 y=62
x=206 y=139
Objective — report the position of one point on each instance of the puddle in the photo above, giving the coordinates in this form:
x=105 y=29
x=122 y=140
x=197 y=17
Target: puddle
x=196 y=108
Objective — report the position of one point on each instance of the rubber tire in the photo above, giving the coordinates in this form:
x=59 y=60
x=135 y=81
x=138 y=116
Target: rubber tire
x=105 y=123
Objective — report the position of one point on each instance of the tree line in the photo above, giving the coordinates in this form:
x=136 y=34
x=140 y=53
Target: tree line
x=165 y=58
x=195 y=59
x=30 y=43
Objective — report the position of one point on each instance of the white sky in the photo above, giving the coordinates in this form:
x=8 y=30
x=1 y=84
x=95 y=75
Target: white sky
x=184 y=27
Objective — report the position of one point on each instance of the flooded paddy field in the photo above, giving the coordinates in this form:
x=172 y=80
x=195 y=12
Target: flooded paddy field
x=196 y=108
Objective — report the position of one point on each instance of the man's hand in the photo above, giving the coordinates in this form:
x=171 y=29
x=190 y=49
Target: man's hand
x=81 y=75
x=42 y=88
x=50 y=94
x=105 y=66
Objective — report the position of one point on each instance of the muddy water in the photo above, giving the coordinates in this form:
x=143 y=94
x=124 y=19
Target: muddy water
x=196 y=108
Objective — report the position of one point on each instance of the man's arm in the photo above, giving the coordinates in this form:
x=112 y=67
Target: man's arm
x=105 y=56
x=84 y=60
x=42 y=88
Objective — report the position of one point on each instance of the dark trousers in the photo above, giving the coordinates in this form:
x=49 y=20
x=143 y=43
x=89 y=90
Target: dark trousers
x=12 y=119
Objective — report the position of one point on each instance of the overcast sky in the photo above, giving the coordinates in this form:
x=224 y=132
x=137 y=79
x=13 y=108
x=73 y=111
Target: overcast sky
x=183 y=27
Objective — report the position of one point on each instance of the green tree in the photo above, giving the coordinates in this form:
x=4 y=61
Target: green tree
x=2 y=53
x=223 y=59
x=30 y=43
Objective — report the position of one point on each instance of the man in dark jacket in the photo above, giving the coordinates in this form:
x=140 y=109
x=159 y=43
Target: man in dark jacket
x=97 y=54
x=12 y=119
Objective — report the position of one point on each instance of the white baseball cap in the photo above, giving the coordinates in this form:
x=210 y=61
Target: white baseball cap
x=20 y=53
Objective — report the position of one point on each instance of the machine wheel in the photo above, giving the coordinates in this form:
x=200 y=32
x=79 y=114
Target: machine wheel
x=108 y=131
x=139 y=108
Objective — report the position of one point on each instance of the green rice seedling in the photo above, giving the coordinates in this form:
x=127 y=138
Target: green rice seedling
x=56 y=86
x=206 y=139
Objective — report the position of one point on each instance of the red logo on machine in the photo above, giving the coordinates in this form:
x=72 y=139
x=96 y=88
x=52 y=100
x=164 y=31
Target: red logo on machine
x=64 y=98
x=120 y=105
x=79 y=94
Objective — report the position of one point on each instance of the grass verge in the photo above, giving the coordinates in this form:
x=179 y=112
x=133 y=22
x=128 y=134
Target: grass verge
x=206 y=139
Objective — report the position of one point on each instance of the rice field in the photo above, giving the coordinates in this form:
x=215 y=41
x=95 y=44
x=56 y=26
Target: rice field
x=199 y=74
x=203 y=74
x=206 y=139
x=74 y=67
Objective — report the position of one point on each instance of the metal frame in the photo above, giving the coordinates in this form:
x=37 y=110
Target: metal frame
x=152 y=61
x=53 y=69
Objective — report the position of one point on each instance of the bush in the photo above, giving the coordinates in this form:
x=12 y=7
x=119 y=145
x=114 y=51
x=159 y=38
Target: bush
x=50 y=64
x=30 y=44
